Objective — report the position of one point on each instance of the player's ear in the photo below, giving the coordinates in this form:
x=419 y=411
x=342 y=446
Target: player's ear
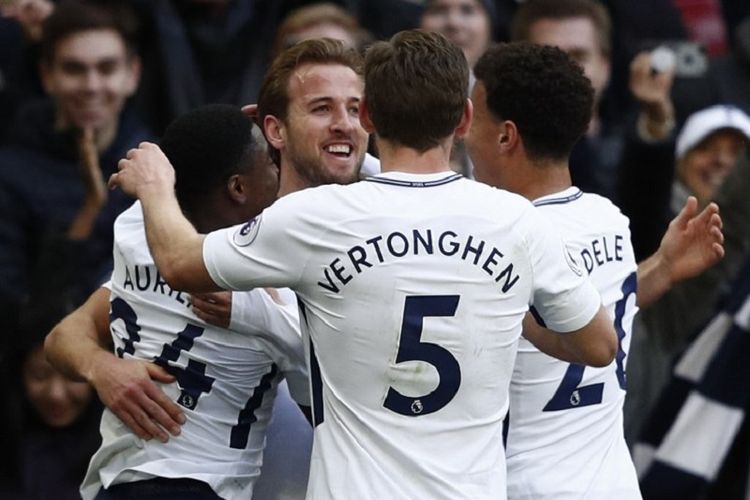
x=274 y=131
x=237 y=189
x=466 y=117
x=508 y=137
x=364 y=117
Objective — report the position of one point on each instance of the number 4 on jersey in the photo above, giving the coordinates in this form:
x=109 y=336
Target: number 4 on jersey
x=192 y=379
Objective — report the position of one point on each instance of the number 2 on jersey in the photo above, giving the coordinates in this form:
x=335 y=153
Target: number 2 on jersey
x=411 y=348
x=568 y=394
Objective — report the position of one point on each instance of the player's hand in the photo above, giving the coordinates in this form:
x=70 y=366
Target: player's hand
x=214 y=308
x=145 y=171
x=692 y=243
x=126 y=386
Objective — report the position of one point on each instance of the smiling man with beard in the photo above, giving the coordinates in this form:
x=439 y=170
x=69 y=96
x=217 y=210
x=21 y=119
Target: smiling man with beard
x=308 y=108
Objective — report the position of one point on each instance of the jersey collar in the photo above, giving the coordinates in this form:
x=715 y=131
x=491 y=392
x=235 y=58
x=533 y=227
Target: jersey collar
x=414 y=180
x=566 y=196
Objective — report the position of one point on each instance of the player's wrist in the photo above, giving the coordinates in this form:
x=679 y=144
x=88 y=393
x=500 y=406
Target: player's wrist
x=99 y=363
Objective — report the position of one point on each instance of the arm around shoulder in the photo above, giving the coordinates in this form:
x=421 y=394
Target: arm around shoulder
x=79 y=342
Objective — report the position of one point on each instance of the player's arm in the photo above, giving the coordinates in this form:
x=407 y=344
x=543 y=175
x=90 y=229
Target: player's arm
x=565 y=301
x=79 y=346
x=691 y=244
x=176 y=246
x=594 y=345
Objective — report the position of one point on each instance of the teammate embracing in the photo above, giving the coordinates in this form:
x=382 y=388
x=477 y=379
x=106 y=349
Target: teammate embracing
x=413 y=285
x=565 y=437
x=222 y=379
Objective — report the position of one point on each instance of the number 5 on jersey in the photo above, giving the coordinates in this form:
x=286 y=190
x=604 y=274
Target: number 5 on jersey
x=411 y=348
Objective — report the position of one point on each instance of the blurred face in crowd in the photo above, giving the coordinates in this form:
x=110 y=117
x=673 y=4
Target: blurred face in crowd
x=58 y=400
x=577 y=37
x=463 y=22
x=90 y=76
x=705 y=167
x=322 y=138
x=322 y=30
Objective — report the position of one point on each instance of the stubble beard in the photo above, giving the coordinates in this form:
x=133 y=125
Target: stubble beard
x=315 y=173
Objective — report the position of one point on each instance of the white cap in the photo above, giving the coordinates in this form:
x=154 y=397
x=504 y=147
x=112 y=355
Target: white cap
x=705 y=122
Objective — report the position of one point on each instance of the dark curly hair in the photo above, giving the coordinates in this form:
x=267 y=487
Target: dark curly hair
x=542 y=91
x=206 y=146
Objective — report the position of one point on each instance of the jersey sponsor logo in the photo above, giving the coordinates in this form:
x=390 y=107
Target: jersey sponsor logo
x=247 y=233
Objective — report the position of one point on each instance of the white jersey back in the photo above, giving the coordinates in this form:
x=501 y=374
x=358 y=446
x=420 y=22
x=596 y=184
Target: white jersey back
x=412 y=292
x=565 y=437
x=226 y=379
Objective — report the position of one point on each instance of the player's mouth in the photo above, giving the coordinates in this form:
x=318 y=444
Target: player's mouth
x=339 y=150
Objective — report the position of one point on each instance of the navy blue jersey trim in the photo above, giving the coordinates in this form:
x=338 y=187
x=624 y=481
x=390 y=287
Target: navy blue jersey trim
x=316 y=383
x=317 y=387
x=559 y=201
x=241 y=431
x=417 y=184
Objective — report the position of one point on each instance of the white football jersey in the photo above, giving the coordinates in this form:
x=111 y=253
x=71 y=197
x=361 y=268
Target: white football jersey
x=565 y=438
x=412 y=292
x=226 y=379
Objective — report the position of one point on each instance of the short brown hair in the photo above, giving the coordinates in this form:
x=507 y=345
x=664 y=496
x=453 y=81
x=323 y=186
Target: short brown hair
x=274 y=92
x=416 y=86
x=532 y=11
x=75 y=16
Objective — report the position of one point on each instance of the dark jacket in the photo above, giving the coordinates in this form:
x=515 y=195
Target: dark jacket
x=41 y=191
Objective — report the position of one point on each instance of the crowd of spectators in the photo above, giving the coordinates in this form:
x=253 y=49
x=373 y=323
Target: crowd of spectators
x=81 y=82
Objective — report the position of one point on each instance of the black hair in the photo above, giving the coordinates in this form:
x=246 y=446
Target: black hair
x=206 y=146
x=542 y=90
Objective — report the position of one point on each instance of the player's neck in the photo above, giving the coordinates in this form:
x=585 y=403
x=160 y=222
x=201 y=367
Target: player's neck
x=544 y=178
x=397 y=158
x=290 y=181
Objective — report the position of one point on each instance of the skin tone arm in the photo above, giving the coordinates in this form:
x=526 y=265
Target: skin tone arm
x=691 y=244
x=594 y=345
x=176 y=246
x=79 y=347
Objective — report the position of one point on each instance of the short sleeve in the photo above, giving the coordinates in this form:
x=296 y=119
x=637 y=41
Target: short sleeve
x=256 y=312
x=269 y=250
x=562 y=294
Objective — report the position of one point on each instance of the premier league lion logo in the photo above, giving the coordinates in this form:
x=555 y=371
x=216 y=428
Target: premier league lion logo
x=247 y=233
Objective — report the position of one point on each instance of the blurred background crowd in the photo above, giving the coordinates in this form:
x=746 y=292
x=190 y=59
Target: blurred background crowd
x=82 y=82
